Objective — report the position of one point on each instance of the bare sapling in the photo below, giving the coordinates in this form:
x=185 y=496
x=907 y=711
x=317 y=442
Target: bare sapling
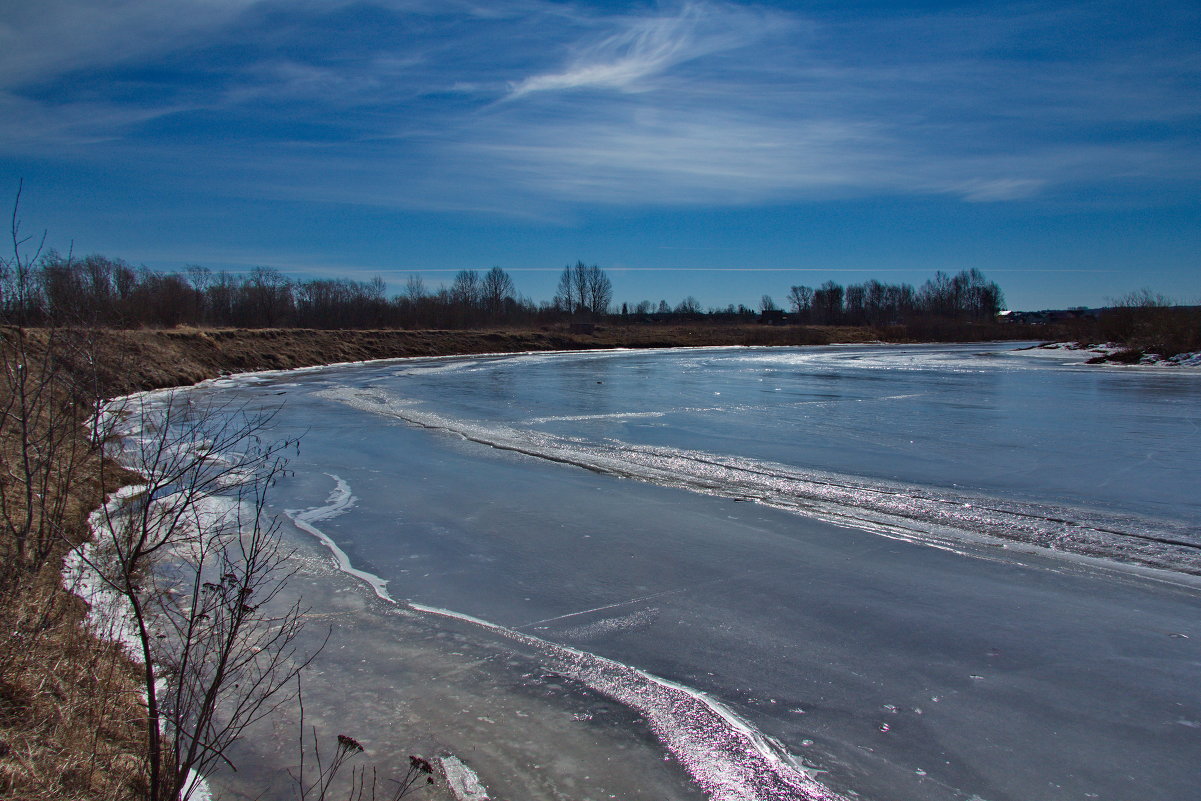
x=199 y=565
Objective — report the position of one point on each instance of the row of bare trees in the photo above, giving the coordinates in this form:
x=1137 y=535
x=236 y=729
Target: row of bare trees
x=52 y=289
x=96 y=290
x=965 y=296
x=58 y=290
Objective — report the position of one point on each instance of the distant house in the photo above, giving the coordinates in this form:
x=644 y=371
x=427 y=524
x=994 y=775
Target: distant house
x=773 y=317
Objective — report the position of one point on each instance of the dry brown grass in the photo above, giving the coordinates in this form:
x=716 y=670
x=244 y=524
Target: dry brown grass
x=69 y=703
x=70 y=706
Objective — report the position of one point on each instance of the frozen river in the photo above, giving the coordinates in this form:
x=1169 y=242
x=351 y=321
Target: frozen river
x=937 y=572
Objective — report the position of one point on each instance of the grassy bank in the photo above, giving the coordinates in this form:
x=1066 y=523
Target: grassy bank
x=149 y=359
x=70 y=706
x=153 y=359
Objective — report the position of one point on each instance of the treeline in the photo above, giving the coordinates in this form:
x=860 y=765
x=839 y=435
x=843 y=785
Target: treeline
x=100 y=291
x=965 y=296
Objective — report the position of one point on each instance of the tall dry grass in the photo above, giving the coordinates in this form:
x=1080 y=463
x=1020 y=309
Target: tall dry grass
x=70 y=706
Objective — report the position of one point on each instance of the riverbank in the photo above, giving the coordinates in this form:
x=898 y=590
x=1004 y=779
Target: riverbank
x=155 y=359
x=69 y=721
x=71 y=718
x=1109 y=353
x=126 y=361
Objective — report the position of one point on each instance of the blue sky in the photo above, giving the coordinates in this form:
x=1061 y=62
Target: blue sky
x=717 y=149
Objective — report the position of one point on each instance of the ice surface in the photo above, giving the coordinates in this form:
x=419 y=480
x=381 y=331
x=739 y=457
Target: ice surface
x=903 y=671
x=906 y=510
x=724 y=754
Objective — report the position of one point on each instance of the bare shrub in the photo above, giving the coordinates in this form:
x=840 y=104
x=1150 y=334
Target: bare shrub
x=197 y=563
x=1148 y=322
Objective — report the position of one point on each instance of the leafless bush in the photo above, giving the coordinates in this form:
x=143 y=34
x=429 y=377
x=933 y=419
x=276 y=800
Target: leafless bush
x=42 y=413
x=1148 y=322
x=189 y=552
x=198 y=564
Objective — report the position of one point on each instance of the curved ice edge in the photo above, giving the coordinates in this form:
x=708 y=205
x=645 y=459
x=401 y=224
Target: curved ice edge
x=251 y=377
x=937 y=517
x=338 y=502
x=725 y=755
x=108 y=612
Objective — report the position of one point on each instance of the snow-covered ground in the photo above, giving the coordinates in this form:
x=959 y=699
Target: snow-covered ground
x=1108 y=349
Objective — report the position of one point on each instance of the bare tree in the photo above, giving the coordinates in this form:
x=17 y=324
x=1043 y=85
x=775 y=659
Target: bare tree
x=854 y=304
x=598 y=289
x=20 y=296
x=198 y=565
x=569 y=294
x=496 y=289
x=415 y=288
x=827 y=303
x=189 y=551
x=465 y=291
x=46 y=471
x=41 y=412
x=801 y=300
x=268 y=296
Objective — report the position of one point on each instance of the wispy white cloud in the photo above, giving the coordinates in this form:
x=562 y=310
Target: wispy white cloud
x=685 y=154
x=988 y=106
x=538 y=107
x=638 y=48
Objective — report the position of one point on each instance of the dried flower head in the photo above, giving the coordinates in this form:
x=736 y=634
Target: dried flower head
x=348 y=743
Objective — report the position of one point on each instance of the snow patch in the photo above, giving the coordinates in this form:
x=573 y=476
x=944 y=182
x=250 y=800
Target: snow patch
x=463 y=782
